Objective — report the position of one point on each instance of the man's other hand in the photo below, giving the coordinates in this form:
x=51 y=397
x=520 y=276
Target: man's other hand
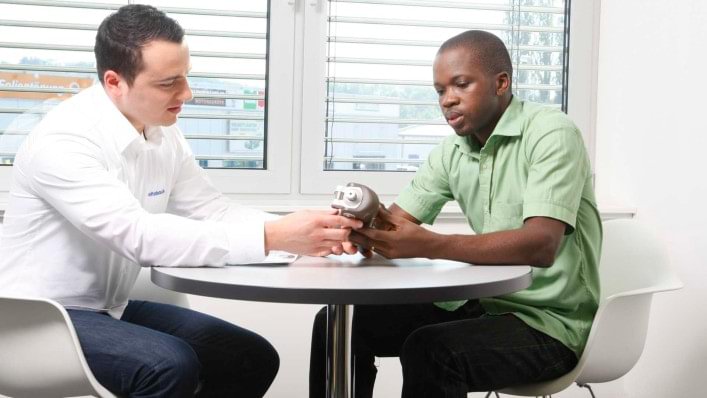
x=402 y=238
x=311 y=232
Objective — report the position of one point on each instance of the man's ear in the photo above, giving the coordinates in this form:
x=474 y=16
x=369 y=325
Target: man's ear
x=113 y=83
x=503 y=83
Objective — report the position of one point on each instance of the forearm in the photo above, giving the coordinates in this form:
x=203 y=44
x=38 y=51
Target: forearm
x=535 y=243
x=510 y=247
x=194 y=196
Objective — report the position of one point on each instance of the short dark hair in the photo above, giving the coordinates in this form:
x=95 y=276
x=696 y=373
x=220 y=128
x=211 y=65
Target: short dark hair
x=486 y=47
x=122 y=35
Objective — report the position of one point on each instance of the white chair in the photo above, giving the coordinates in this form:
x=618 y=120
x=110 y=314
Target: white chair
x=633 y=267
x=40 y=355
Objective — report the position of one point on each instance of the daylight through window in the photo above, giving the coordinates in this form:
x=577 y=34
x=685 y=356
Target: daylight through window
x=46 y=55
x=381 y=110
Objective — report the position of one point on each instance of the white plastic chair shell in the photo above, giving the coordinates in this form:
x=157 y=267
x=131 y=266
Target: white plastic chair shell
x=40 y=355
x=633 y=266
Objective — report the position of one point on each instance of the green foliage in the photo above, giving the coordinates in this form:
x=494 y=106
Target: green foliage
x=517 y=38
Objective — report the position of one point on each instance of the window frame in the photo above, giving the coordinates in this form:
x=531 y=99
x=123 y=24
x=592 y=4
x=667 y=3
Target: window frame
x=275 y=179
x=296 y=109
x=314 y=180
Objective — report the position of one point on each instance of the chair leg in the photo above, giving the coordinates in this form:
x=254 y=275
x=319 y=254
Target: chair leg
x=488 y=394
x=588 y=387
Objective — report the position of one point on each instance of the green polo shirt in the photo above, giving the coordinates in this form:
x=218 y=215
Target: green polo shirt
x=533 y=164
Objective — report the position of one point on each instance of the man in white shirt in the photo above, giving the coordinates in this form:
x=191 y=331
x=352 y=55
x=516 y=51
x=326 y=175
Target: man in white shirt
x=106 y=183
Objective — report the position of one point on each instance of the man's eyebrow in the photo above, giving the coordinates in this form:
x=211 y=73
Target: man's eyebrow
x=452 y=79
x=166 y=79
x=174 y=77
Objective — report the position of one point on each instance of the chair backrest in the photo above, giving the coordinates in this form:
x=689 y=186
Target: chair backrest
x=40 y=355
x=633 y=266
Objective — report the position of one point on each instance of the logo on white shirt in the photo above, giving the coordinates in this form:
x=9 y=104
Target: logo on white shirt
x=156 y=193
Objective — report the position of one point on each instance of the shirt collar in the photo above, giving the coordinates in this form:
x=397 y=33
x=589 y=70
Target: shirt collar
x=152 y=140
x=154 y=135
x=119 y=128
x=508 y=125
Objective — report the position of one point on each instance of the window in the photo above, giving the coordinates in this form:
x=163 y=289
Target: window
x=296 y=97
x=224 y=122
x=373 y=60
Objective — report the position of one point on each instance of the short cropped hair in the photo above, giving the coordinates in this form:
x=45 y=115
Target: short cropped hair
x=122 y=35
x=486 y=47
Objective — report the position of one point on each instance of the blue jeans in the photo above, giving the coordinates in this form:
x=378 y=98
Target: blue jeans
x=443 y=354
x=161 y=350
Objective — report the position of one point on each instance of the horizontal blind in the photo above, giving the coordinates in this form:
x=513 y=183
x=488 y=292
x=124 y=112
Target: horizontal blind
x=382 y=112
x=46 y=56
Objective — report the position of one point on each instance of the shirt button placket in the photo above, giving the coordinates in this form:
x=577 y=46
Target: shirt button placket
x=484 y=183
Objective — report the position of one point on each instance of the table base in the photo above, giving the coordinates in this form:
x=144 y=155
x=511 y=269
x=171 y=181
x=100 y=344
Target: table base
x=338 y=355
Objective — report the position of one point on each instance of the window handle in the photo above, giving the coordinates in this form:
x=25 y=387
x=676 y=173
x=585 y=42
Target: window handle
x=314 y=3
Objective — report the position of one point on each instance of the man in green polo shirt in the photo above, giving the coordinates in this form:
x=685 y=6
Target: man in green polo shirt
x=521 y=175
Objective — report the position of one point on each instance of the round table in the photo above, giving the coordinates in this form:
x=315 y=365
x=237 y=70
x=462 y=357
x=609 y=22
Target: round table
x=344 y=280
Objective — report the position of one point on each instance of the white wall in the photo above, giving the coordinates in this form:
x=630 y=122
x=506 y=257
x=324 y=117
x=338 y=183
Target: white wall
x=651 y=141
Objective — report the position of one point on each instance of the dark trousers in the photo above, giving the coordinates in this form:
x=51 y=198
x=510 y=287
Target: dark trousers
x=443 y=353
x=160 y=350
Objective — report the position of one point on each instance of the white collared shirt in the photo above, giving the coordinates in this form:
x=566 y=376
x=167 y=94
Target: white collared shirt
x=91 y=199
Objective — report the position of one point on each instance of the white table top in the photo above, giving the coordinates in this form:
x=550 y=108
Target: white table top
x=347 y=280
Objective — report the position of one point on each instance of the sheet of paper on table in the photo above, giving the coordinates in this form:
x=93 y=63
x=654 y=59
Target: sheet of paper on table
x=344 y=260
x=357 y=260
x=275 y=257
